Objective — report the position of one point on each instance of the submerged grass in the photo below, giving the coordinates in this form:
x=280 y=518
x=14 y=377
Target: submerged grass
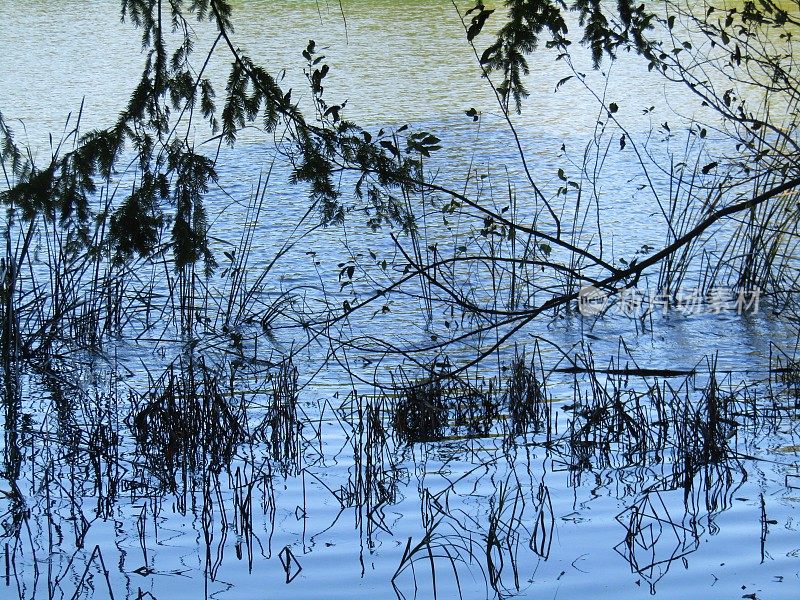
x=439 y=406
x=421 y=412
x=526 y=398
x=282 y=425
x=185 y=424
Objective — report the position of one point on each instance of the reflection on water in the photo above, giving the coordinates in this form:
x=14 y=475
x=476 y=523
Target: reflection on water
x=194 y=488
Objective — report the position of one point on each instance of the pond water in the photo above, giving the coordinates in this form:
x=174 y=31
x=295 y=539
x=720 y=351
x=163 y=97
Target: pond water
x=166 y=467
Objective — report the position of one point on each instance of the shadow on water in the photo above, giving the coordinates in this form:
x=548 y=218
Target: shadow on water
x=449 y=484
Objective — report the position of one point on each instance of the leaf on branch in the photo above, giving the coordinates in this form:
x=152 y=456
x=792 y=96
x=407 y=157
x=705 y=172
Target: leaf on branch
x=563 y=81
x=490 y=54
x=478 y=22
x=422 y=142
x=737 y=55
x=333 y=110
x=390 y=147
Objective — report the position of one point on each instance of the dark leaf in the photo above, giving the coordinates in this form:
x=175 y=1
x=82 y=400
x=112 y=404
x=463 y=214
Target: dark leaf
x=563 y=81
x=477 y=24
x=390 y=147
